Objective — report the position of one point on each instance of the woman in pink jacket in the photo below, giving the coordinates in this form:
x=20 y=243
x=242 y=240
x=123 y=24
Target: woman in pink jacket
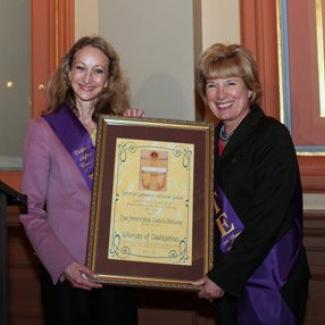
x=58 y=173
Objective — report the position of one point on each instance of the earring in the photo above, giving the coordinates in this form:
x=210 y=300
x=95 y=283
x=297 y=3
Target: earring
x=251 y=95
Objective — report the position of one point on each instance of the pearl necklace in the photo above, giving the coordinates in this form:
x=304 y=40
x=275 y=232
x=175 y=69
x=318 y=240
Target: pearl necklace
x=223 y=136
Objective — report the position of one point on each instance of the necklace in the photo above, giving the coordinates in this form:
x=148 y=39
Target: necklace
x=223 y=136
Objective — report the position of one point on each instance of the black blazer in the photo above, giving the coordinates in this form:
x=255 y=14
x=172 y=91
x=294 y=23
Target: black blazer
x=259 y=174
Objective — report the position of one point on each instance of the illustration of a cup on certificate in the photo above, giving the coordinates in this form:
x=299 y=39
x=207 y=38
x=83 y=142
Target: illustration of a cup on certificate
x=152 y=208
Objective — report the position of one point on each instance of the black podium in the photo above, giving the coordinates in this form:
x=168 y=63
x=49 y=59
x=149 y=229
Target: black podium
x=8 y=196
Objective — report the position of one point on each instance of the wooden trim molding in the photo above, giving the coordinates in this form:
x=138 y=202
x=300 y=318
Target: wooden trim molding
x=65 y=33
x=52 y=33
x=313 y=173
x=259 y=34
x=12 y=178
x=314 y=240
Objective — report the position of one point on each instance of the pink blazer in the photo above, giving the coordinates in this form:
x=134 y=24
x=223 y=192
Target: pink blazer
x=58 y=200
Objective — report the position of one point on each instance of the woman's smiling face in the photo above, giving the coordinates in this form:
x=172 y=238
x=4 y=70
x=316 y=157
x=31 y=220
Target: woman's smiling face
x=228 y=100
x=89 y=73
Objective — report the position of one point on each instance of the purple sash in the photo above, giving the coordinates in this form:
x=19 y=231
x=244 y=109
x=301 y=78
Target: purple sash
x=229 y=224
x=75 y=139
x=261 y=301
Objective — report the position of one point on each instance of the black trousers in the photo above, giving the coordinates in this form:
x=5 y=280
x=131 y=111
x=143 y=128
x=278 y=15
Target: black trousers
x=64 y=305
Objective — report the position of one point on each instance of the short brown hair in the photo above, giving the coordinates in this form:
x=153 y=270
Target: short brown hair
x=223 y=61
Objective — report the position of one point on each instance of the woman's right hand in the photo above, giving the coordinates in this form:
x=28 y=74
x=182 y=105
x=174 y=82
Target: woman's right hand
x=133 y=112
x=207 y=289
x=80 y=277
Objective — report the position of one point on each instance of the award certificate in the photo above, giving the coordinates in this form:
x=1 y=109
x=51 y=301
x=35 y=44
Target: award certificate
x=151 y=214
x=152 y=203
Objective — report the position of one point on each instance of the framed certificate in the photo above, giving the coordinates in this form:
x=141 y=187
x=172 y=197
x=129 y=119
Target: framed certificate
x=151 y=216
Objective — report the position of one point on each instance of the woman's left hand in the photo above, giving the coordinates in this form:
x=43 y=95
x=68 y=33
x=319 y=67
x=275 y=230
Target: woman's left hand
x=133 y=112
x=208 y=289
x=80 y=277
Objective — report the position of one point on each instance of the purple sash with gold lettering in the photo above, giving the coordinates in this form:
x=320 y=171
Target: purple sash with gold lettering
x=261 y=301
x=229 y=224
x=75 y=139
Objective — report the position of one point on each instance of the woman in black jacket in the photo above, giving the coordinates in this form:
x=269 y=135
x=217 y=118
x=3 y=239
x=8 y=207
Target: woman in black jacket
x=261 y=272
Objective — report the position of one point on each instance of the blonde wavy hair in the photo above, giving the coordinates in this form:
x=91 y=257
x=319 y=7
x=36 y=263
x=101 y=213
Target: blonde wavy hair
x=113 y=99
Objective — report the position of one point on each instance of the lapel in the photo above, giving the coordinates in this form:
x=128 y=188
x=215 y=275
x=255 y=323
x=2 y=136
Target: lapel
x=243 y=132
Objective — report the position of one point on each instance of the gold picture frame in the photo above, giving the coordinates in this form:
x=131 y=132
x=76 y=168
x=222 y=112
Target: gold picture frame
x=151 y=217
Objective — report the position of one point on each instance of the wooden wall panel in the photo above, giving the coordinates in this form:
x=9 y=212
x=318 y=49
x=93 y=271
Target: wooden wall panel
x=314 y=232
x=24 y=291
x=315 y=309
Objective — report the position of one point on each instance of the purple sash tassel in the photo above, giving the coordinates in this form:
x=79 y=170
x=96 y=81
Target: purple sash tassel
x=75 y=139
x=261 y=301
